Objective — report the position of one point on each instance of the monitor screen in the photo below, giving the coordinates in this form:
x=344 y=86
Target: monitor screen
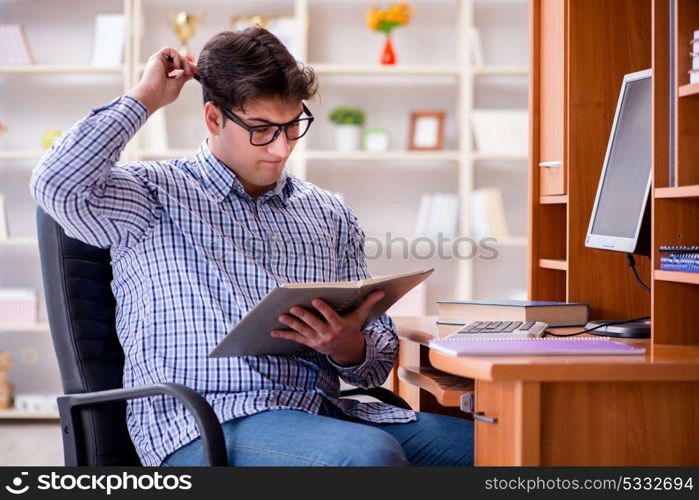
x=623 y=190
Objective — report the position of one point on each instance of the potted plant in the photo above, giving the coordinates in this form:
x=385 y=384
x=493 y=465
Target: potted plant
x=348 y=128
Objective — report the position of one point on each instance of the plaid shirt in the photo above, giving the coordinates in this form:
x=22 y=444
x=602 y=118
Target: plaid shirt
x=192 y=252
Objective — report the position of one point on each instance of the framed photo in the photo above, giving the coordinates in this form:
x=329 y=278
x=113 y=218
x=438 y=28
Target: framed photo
x=426 y=131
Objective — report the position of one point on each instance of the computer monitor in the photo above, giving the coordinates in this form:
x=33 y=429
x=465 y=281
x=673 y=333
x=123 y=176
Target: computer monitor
x=619 y=217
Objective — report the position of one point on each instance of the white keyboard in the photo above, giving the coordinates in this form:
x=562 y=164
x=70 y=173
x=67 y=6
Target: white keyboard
x=500 y=329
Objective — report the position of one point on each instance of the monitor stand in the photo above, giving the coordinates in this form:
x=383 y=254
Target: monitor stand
x=632 y=330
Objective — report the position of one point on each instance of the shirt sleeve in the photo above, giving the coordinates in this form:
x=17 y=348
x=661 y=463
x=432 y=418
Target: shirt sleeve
x=380 y=336
x=79 y=185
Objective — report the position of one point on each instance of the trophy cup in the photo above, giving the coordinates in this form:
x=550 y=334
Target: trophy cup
x=185 y=25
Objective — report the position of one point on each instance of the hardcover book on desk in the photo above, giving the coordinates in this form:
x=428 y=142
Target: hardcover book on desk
x=553 y=313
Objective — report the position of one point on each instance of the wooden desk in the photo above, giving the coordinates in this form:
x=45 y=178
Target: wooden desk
x=579 y=410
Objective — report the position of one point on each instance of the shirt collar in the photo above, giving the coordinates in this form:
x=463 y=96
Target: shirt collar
x=221 y=180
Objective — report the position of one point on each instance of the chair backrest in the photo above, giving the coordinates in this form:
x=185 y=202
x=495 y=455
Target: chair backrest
x=81 y=314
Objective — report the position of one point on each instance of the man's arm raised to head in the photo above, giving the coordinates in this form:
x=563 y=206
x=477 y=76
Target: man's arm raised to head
x=77 y=182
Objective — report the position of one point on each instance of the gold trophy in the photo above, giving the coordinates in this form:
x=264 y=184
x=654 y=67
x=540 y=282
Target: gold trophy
x=185 y=25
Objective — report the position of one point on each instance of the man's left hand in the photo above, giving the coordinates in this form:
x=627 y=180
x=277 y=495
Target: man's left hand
x=337 y=336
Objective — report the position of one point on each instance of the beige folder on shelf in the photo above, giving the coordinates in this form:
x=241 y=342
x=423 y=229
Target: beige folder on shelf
x=251 y=335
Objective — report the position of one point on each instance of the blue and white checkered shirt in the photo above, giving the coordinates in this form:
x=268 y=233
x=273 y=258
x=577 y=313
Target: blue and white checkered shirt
x=192 y=252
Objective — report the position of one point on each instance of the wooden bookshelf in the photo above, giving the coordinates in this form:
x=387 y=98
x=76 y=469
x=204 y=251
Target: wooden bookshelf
x=573 y=97
x=675 y=294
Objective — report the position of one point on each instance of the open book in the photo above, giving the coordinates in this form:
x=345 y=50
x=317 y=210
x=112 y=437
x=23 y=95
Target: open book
x=250 y=336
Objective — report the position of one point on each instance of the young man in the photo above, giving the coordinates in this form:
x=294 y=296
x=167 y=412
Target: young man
x=197 y=242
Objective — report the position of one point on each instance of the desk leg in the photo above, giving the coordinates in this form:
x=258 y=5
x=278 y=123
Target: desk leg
x=515 y=437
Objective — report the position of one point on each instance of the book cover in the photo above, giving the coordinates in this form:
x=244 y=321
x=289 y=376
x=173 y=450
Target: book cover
x=250 y=336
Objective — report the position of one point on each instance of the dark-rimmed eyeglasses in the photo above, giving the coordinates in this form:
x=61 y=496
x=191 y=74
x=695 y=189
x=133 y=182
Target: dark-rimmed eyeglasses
x=261 y=135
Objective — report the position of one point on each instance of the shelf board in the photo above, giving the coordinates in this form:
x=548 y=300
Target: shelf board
x=37 y=328
x=499 y=157
x=513 y=241
x=501 y=70
x=677 y=276
x=19 y=154
x=388 y=155
x=677 y=192
x=27 y=415
x=553 y=199
x=689 y=90
x=11 y=69
x=556 y=264
x=375 y=69
x=446 y=388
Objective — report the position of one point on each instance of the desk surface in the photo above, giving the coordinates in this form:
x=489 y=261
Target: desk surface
x=660 y=362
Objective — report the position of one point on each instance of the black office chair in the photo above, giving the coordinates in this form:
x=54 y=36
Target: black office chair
x=81 y=312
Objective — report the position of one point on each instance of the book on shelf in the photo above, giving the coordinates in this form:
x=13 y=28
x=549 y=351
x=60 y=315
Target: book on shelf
x=532 y=347
x=14 y=45
x=476 y=47
x=251 y=335
x=682 y=258
x=556 y=314
x=487 y=214
x=438 y=213
x=108 y=41
x=501 y=131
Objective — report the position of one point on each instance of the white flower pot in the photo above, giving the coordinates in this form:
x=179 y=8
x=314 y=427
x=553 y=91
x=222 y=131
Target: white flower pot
x=348 y=137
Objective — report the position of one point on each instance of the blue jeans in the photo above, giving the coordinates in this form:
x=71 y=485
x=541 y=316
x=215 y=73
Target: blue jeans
x=297 y=438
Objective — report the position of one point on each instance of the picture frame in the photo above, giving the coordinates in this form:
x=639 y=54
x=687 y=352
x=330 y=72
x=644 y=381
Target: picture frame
x=426 y=131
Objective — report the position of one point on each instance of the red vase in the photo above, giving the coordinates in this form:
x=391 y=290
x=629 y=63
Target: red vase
x=388 y=56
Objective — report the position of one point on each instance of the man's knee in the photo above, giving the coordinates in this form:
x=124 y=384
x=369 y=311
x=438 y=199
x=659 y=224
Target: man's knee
x=374 y=448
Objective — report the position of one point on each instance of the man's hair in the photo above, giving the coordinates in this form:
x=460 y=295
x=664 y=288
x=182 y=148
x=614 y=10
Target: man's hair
x=237 y=67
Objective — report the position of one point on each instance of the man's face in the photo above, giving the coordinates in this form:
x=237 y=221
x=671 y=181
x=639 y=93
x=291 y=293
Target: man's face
x=257 y=167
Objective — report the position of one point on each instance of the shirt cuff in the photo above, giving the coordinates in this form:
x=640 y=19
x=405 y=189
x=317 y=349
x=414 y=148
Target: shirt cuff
x=359 y=370
x=127 y=111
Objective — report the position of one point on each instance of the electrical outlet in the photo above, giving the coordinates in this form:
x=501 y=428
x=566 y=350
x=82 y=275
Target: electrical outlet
x=30 y=356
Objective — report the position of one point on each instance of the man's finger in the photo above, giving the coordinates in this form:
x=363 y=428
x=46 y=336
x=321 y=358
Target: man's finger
x=298 y=325
x=309 y=318
x=291 y=335
x=328 y=312
x=370 y=301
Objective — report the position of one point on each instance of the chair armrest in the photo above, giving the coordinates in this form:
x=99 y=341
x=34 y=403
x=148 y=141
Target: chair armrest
x=380 y=393
x=207 y=421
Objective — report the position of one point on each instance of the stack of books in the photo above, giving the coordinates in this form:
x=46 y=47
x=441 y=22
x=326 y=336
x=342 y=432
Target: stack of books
x=487 y=214
x=460 y=312
x=500 y=131
x=680 y=258
x=438 y=214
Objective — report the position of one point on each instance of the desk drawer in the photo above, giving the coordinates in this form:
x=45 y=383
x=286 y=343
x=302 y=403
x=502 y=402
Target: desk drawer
x=507 y=423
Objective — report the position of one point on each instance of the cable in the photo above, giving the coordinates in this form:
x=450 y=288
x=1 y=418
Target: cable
x=546 y=332
x=632 y=264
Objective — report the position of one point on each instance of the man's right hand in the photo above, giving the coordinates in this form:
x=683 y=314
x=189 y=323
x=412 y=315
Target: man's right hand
x=156 y=89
